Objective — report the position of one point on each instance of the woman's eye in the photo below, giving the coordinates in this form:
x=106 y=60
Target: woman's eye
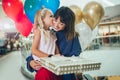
x=62 y=23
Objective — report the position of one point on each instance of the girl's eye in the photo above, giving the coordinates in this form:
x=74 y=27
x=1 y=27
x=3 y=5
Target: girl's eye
x=51 y=15
x=55 y=20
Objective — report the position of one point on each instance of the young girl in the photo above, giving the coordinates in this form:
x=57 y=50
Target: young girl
x=44 y=41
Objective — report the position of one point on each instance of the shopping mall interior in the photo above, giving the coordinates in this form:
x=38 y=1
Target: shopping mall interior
x=100 y=43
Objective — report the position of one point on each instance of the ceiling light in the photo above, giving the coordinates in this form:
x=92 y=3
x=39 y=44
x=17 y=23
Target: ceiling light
x=108 y=2
x=0 y=3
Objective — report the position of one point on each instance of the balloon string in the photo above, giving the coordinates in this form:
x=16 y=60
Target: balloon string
x=16 y=35
x=43 y=6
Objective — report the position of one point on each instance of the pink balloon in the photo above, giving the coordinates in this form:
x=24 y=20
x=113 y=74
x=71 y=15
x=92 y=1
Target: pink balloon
x=24 y=26
x=13 y=8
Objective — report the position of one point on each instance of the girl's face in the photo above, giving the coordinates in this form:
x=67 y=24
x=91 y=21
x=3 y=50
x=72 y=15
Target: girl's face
x=58 y=25
x=48 y=20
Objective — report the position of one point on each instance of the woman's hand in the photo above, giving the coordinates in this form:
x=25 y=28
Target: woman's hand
x=35 y=64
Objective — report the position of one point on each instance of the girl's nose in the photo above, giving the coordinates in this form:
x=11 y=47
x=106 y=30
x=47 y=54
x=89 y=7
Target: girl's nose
x=55 y=24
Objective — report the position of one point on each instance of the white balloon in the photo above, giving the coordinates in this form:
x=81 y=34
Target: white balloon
x=86 y=35
x=7 y=25
x=2 y=34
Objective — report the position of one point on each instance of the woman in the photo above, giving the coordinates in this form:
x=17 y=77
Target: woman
x=67 y=42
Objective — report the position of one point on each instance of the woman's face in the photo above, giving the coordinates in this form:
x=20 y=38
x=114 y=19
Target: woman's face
x=58 y=25
x=50 y=21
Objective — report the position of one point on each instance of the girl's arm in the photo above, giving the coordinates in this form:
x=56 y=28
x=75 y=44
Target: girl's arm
x=35 y=45
x=57 y=52
x=32 y=65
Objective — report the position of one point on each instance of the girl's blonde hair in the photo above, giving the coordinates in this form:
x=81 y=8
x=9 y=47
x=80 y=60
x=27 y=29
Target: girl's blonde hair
x=38 y=20
x=40 y=15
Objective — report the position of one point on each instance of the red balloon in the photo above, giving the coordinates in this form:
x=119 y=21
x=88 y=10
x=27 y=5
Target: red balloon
x=24 y=26
x=13 y=8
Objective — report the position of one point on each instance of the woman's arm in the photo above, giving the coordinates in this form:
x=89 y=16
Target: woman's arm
x=70 y=48
x=76 y=47
x=29 y=59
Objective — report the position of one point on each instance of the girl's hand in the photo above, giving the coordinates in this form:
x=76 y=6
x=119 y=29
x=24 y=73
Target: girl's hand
x=57 y=55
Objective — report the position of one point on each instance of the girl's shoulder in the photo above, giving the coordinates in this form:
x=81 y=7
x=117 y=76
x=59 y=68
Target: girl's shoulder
x=37 y=31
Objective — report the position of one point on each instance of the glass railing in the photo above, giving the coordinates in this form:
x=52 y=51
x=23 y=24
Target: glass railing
x=25 y=52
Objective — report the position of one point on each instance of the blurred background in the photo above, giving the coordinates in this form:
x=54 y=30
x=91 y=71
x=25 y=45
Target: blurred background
x=103 y=46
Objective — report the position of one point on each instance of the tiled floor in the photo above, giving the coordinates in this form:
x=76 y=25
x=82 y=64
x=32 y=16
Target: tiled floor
x=10 y=64
x=10 y=67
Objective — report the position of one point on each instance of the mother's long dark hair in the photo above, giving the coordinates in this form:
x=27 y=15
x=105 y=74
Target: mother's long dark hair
x=68 y=18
